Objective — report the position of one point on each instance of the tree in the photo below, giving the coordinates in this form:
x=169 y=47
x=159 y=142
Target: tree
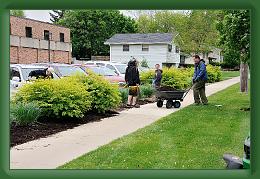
x=56 y=15
x=235 y=38
x=144 y=63
x=195 y=31
x=91 y=28
x=19 y=13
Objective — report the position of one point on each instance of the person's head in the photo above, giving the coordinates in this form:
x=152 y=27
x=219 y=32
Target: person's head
x=133 y=62
x=157 y=66
x=196 y=58
x=49 y=71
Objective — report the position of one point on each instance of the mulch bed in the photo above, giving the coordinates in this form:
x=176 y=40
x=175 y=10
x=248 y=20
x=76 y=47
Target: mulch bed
x=45 y=128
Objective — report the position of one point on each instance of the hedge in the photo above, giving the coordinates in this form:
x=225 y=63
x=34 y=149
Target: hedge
x=70 y=96
x=104 y=95
x=61 y=97
x=180 y=78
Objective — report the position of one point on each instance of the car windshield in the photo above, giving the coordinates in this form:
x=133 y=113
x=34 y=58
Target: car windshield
x=69 y=70
x=103 y=71
x=26 y=71
x=121 y=68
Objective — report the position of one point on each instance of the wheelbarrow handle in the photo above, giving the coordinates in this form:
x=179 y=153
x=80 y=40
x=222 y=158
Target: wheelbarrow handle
x=186 y=92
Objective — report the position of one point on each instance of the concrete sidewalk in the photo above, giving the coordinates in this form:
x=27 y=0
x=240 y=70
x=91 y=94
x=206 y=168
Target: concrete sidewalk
x=51 y=152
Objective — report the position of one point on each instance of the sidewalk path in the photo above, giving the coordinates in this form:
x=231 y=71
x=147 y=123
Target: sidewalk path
x=51 y=152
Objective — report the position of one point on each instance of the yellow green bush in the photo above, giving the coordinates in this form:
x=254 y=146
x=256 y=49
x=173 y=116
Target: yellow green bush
x=180 y=78
x=61 y=97
x=104 y=95
x=214 y=73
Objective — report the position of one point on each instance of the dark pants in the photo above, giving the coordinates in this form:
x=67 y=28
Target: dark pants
x=199 y=92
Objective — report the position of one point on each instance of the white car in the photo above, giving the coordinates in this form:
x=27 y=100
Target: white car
x=119 y=68
x=19 y=75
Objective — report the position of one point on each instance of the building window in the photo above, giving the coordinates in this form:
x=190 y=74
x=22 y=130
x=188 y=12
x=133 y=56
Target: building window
x=61 y=37
x=177 y=49
x=169 y=48
x=46 y=35
x=125 y=48
x=145 y=47
x=28 y=32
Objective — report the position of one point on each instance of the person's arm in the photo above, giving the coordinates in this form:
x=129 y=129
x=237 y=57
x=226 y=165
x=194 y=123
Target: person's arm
x=194 y=74
x=202 y=70
x=126 y=75
x=137 y=77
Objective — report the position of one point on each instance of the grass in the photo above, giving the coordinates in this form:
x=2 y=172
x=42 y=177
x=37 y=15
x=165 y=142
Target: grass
x=229 y=74
x=195 y=137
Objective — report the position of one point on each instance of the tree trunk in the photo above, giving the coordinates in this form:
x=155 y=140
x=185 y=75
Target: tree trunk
x=244 y=77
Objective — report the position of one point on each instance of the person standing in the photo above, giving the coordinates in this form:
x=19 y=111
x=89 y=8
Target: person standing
x=133 y=81
x=158 y=76
x=199 y=80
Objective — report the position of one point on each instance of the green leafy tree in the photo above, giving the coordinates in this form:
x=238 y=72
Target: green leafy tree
x=235 y=38
x=19 y=13
x=144 y=63
x=56 y=15
x=91 y=28
x=195 y=31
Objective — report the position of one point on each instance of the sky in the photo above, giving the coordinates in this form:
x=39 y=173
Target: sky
x=43 y=15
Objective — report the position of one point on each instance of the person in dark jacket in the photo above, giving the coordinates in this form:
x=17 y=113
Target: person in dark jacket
x=157 y=76
x=199 y=79
x=133 y=81
x=44 y=73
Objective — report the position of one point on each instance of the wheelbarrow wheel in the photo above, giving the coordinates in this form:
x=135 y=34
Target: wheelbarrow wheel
x=169 y=104
x=159 y=103
x=176 y=104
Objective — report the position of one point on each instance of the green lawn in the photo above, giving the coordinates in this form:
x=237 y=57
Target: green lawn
x=195 y=137
x=229 y=74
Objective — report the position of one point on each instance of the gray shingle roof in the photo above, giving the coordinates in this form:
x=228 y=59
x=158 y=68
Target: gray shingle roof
x=149 y=38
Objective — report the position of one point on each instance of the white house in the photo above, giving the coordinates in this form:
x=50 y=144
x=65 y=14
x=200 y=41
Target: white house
x=214 y=55
x=152 y=47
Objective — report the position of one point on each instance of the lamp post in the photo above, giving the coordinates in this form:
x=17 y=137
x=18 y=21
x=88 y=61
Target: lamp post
x=49 y=45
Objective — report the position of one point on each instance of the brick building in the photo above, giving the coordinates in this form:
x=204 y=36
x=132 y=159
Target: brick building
x=33 y=41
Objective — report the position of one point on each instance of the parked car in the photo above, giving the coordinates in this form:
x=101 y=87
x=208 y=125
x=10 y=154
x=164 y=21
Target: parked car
x=108 y=74
x=118 y=68
x=63 y=70
x=19 y=75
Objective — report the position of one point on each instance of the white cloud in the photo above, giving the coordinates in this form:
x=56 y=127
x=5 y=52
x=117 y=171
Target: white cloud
x=41 y=15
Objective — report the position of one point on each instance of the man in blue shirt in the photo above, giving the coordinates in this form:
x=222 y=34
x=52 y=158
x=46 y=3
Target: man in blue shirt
x=199 y=79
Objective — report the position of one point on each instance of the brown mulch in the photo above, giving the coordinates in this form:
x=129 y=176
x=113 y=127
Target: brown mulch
x=45 y=128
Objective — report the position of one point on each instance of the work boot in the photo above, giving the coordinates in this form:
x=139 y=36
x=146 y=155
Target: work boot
x=136 y=106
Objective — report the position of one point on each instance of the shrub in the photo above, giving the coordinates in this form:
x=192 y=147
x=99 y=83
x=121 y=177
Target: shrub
x=214 y=73
x=61 y=97
x=180 y=78
x=24 y=113
x=123 y=94
x=105 y=96
x=174 y=77
x=146 y=91
x=147 y=77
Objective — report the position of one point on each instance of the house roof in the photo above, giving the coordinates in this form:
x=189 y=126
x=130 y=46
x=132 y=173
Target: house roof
x=138 y=38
